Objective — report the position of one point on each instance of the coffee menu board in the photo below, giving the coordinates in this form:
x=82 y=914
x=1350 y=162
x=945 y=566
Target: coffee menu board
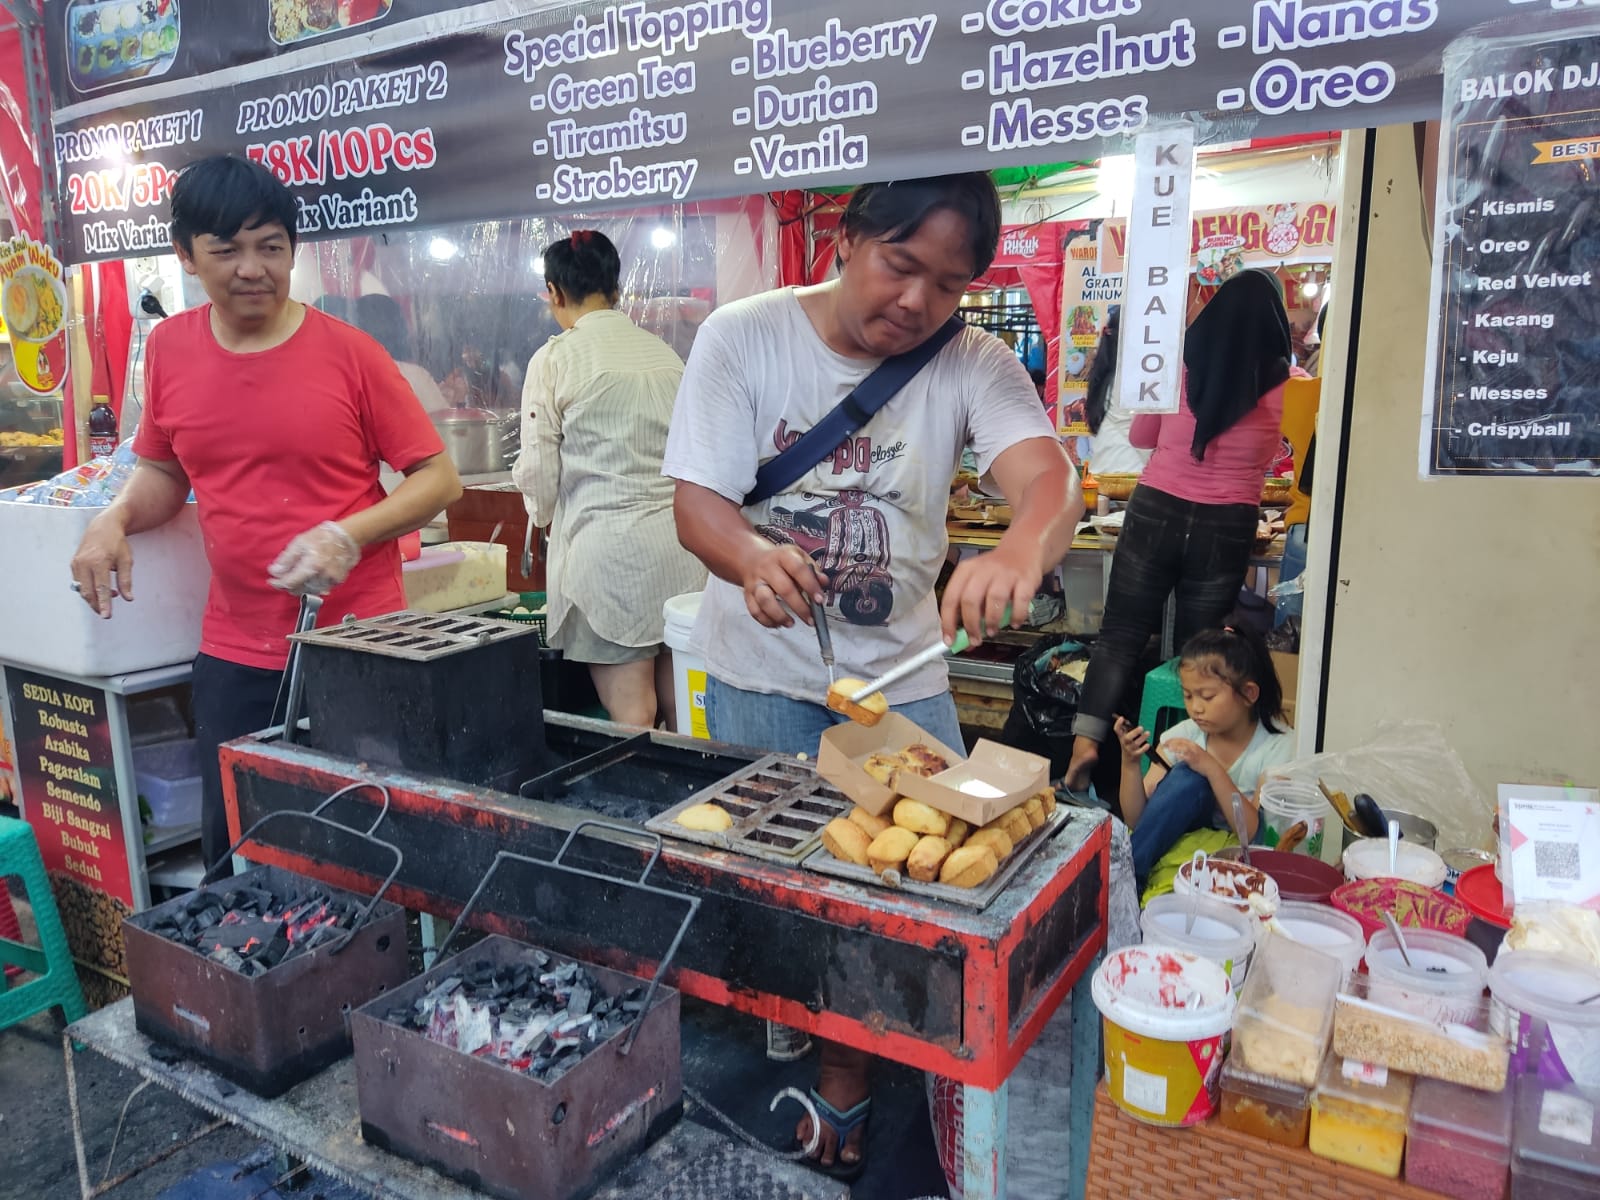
x=1514 y=385
x=392 y=114
x=61 y=735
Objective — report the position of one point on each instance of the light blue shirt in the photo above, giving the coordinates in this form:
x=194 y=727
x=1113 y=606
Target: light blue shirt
x=1266 y=749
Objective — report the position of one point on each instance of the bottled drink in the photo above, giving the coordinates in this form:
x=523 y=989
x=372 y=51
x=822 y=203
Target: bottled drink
x=102 y=428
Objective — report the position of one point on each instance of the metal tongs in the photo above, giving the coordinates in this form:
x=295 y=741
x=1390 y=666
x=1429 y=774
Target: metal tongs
x=819 y=618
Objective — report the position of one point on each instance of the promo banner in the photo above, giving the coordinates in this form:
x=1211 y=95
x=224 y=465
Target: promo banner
x=1225 y=241
x=386 y=114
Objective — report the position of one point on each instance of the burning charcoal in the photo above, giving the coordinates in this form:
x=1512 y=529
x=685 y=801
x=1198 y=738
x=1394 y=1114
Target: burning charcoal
x=578 y=1005
x=209 y=918
x=398 y=1015
x=474 y=1025
x=226 y=957
x=541 y=960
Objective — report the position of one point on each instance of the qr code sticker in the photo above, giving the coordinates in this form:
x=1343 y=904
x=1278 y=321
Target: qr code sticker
x=1555 y=860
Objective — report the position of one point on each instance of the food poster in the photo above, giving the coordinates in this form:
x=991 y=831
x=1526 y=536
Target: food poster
x=1087 y=293
x=33 y=301
x=1514 y=371
x=1225 y=241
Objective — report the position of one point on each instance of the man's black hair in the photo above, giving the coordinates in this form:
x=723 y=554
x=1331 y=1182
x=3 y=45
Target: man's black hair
x=584 y=264
x=224 y=194
x=893 y=212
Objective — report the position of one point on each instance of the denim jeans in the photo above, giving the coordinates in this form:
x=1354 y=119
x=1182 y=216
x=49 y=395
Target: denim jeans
x=1294 y=566
x=1199 y=552
x=1182 y=802
x=785 y=726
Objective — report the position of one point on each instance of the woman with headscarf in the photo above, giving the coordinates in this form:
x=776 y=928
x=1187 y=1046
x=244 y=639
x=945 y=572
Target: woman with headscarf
x=1192 y=522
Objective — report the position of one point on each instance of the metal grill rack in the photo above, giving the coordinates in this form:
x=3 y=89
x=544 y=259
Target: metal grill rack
x=778 y=805
x=417 y=636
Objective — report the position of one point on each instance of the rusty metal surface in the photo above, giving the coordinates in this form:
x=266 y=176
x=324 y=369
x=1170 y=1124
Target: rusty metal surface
x=915 y=979
x=270 y=1032
x=778 y=805
x=505 y=1132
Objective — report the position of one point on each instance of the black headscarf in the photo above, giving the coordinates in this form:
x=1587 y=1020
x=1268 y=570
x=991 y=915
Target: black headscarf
x=1236 y=351
x=1102 y=371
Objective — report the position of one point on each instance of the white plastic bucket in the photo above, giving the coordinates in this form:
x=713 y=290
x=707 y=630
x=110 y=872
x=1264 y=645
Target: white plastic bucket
x=1285 y=805
x=1166 y=1016
x=688 y=670
x=1369 y=859
x=1205 y=927
x=1533 y=988
x=1326 y=929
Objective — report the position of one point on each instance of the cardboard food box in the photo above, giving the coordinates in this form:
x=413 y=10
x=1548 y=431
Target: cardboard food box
x=1011 y=775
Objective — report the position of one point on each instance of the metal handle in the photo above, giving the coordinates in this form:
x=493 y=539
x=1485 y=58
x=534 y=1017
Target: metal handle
x=639 y=884
x=305 y=623
x=315 y=816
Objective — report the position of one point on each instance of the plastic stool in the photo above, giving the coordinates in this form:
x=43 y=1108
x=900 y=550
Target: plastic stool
x=57 y=982
x=10 y=928
x=1161 y=706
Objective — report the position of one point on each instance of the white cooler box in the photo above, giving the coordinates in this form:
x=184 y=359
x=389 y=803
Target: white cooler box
x=44 y=625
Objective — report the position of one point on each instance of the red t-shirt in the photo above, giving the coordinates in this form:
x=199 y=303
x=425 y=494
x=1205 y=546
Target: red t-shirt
x=274 y=443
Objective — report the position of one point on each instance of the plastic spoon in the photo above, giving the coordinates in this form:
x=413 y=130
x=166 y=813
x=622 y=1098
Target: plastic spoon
x=1394 y=848
x=1239 y=828
x=1399 y=938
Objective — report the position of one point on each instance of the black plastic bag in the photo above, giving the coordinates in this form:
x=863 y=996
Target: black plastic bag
x=1045 y=701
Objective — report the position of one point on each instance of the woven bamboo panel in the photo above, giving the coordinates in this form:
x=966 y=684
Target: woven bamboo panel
x=1208 y=1162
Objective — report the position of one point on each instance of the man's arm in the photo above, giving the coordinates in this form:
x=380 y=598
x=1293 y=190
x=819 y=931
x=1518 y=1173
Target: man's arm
x=1038 y=481
x=537 y=472
x=429 y=487
x=154 y=494
x=776 y=579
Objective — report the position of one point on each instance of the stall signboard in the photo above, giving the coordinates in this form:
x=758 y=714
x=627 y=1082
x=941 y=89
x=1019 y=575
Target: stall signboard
x=33 y=302
x=61 y=735
x=1514 y=372
x=388 y=114
x=1225 y=241
x=1156 y=288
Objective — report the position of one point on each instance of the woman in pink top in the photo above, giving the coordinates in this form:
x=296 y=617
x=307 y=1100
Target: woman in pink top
x=1192 y=522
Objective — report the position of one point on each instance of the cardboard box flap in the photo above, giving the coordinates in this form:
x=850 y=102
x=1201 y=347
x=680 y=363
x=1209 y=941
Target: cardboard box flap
x=997 y=777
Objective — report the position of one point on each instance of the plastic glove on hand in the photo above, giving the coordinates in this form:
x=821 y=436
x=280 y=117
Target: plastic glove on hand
x=316 y=562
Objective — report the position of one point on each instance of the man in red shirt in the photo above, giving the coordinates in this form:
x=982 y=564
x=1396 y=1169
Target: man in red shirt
x=278 y=417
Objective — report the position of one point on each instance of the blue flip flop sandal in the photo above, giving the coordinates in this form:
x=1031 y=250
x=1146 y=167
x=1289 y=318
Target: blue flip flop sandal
x=843 y=1125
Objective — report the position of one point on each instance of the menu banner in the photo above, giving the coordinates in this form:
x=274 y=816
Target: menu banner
x=62 y=735
x=1514 y=374
x=385 y=115
x=1225 y=241
x=33 y=302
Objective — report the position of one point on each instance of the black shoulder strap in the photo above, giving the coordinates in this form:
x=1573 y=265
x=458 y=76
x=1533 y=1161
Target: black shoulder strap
x=849 y=415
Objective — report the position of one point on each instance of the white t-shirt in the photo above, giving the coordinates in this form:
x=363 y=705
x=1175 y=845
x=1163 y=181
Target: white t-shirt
x=872 y=516
x=1266 y=749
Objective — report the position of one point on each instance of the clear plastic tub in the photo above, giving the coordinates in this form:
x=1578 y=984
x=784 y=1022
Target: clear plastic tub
x=1285 y=804
x=1444 y=982
x=1459 y=1140
x=1359 y=1115
x=1536 y=1007
x=1285 y=1012
x=1466 y=1052
x=1325 y=929
x=1265 y=1108
x=1203 y=926
x=1555 y=1150
x=168 y=776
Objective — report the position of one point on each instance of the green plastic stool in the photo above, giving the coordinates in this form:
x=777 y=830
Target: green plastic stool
x=1161 y=706
x=57 y=982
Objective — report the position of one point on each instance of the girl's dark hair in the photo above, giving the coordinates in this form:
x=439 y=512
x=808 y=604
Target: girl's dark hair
x=583 y=265
x=224 y=194
x=893 y=212
x=1102 y=371
x=1237 y=655
x=380 y=318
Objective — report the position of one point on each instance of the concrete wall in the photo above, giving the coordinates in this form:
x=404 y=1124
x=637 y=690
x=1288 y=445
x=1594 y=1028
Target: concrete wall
x=1471 y=603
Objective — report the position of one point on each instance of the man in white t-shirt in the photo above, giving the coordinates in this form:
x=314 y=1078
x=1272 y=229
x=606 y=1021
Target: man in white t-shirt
x=864 y=531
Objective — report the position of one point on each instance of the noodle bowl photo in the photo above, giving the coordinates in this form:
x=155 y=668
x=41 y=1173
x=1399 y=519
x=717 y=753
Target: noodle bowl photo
x=33 y=303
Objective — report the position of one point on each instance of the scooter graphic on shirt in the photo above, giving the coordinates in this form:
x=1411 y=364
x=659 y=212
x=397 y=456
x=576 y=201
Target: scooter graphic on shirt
x=849 y=542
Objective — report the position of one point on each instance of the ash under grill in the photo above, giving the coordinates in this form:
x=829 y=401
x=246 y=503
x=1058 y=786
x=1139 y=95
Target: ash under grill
x=778 y=805
x=415 y=636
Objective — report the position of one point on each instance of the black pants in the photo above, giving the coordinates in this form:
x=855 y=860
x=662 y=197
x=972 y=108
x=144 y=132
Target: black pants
x=230 y=701
x=1167 y=545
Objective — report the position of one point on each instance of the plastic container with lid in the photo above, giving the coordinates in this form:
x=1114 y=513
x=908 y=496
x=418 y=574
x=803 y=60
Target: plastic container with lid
x=1459 y=1141
x=1285 y=804
x=1285 y=1012
x=1204 y=926
x=1555 y=1147
x=1369 y=859
x=1325 y=929
x=1468 y=1052
x=1443 y=983
x=1359 y=1115
x=1413 y=906
x=1480 y=890
x=1535 y=1007
x=1246 y=888
x=1298 y=876
x=1264 y=1108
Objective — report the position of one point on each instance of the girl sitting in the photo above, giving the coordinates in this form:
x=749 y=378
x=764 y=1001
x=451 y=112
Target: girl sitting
x=1233 y=735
